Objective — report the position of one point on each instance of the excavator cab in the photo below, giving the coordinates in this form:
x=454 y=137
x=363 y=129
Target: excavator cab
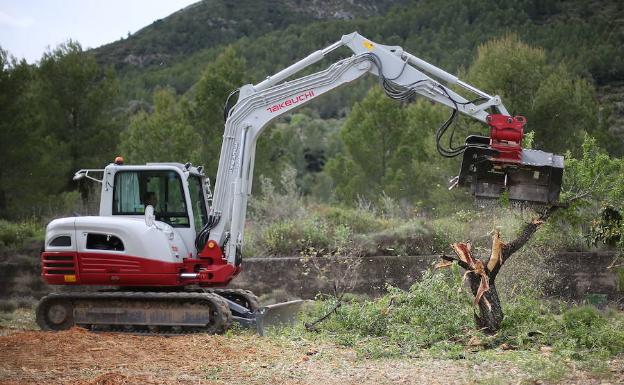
x=497 y=166
x=142 y=244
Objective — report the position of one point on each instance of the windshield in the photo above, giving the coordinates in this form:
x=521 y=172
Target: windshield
x=198 y=203
x=134 y=190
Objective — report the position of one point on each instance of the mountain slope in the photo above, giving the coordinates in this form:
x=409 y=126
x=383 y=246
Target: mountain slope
x=210 y=23
x=586 y=36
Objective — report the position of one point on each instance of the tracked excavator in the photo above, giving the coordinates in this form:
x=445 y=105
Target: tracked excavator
x=166 y=247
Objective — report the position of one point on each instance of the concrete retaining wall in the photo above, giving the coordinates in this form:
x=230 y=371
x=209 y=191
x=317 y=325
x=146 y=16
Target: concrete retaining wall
x=579 y=274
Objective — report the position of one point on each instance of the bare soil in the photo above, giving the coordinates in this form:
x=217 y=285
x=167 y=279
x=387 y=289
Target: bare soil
x=85 y=358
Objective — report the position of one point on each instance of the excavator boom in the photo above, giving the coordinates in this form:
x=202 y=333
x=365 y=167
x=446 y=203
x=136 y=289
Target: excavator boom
x=492 y=167
x=156 y=228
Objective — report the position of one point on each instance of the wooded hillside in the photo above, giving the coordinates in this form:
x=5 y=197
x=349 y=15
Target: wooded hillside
x=560 y=63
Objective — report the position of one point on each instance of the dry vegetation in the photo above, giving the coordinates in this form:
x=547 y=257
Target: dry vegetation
x=409 y=337
x=80 y=357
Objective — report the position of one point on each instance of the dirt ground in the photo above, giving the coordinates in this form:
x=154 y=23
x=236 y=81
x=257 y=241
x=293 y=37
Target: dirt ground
x=84 y=358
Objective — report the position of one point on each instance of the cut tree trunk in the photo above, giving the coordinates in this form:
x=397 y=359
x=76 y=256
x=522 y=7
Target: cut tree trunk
x=481 y=274
x=490 y=314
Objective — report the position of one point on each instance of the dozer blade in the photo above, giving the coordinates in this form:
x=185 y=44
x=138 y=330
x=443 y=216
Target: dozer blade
x=280 y=314
x=284 y=313
x=534 y=178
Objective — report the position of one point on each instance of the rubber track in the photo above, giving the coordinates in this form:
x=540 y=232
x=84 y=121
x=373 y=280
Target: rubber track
x=220 y=326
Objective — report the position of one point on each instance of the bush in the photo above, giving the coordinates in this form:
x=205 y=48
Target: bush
x=434 y=315
x=360 y=221
x=274 y=205
x=15 y=234
x=408 y=238
x=431 y=312
x=288 y=238
x=589 y=329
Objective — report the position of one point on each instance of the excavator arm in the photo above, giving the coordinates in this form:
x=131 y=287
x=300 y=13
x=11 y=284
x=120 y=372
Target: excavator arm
x=489 y=166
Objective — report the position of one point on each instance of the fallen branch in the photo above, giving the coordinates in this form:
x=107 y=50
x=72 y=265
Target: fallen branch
x=312 y=326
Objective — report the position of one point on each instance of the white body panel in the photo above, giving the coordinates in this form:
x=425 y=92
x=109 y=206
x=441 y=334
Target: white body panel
x=59 y=228
x=159 y=242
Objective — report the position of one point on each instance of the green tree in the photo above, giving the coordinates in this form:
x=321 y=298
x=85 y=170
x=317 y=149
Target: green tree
x=76 y=100
x=303 y=143
x=383 y=150
x=560 y=107
x=565 y=108
x=224 y=75
x=164 y=135
x=33 y=161
x=595 y=174
x=509 y=68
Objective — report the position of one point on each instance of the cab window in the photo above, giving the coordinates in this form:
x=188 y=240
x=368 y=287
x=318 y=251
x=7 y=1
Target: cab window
x=104 y=242
x=134 y=190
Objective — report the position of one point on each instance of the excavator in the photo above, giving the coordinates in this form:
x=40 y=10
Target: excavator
x=165 y=247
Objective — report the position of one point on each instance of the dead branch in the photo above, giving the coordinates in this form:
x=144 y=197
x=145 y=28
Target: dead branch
x=311 y=326
x=496 y=256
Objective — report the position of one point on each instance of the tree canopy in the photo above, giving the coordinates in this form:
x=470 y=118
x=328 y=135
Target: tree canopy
x=71 y=111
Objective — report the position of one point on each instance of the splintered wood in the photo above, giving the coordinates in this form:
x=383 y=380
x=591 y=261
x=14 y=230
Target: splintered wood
x=496 y=256
x=476 y=266
x=482 y=274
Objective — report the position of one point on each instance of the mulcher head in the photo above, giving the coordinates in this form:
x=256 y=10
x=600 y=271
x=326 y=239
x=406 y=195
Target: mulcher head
x=497 y=165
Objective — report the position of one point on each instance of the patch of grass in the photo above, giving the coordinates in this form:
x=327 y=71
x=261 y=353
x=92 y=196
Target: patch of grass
x=586 y=330
x=20 y=318
x=534 y=365
x=213 y=373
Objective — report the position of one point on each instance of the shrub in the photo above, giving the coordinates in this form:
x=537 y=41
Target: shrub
x=360 y=221
x=288 y=238
x=431 y=312
x=281 y=238
x=275 y=205
x=588 y=328
x=15 y=234
x=408 y=238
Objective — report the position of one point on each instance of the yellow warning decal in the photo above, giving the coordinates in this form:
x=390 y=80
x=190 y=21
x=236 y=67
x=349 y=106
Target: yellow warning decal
x=368 y=45
x=70 y=278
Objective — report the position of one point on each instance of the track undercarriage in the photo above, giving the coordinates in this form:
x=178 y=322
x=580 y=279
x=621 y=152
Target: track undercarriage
x=206 y=311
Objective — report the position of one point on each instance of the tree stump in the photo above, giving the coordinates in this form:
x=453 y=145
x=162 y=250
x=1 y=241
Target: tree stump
x=481 y=274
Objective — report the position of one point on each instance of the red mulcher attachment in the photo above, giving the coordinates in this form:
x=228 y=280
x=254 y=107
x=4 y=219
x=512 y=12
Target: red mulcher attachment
x=497 y=164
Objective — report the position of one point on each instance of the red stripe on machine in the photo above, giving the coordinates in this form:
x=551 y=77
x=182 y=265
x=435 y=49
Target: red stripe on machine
x=292 y=101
